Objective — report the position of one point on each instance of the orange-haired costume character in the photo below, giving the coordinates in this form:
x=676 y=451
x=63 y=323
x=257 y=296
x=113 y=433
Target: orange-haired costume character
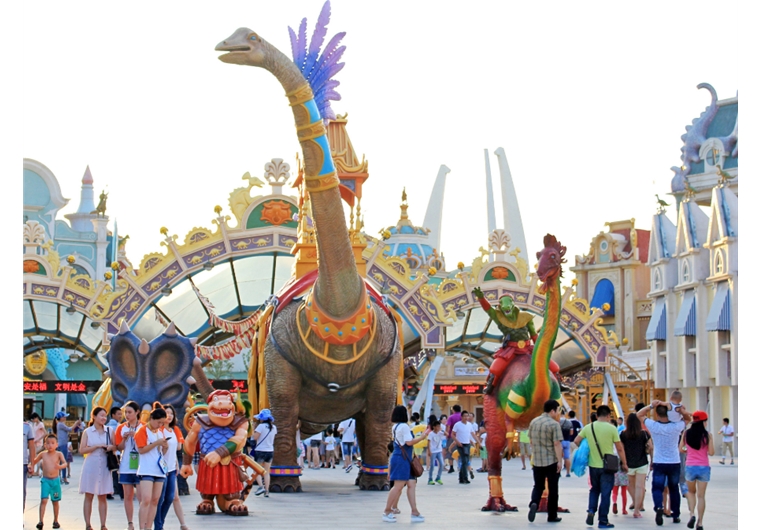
x=220 y=435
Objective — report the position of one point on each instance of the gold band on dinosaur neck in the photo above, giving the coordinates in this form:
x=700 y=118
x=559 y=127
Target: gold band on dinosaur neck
x=300 y=95
x=311 y=131
x=322 y=182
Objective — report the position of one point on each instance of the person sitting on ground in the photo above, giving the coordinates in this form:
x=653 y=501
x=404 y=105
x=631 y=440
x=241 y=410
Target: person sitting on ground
x=52 y=462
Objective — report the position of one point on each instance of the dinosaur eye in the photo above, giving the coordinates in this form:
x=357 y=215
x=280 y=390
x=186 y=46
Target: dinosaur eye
x=253 y=37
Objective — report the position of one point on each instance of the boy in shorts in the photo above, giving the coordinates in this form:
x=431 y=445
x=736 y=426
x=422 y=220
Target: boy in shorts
x=50 y=483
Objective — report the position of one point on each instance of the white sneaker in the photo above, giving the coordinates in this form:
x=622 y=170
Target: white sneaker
x=389 y=518
x=418 y=519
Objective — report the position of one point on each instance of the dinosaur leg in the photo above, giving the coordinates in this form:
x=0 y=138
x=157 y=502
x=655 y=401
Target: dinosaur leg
x=497 y=427
x=284 y=387
x=374 y=424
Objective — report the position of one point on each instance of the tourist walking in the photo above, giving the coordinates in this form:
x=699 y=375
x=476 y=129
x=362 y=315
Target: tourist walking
x=601 y=436
x=152 y=467
x=728 y=441
x=347 y=428
x=637 y=444
x=524 y=446
x=264 y=435
x=546 y=439
x=400 y=464
x=463 y=438
x=115 y=417
x=697 y=443
x=169 y=491
x=568 y=435
x=39 y=431
x=435 y=452
x=666 y=464
x=95 y=480
x=62 y=431
x=455 y=417
x=29 y=455
x=124 y=438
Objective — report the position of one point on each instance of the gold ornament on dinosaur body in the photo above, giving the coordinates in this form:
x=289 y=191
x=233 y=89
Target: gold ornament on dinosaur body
x=300 y=95
x=325 y=354
x=340 y=332
x=311 y=131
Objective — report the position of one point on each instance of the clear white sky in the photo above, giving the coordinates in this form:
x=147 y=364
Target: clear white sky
x=589 y=101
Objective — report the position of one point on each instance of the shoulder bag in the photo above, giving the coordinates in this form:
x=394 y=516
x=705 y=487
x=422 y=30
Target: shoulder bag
x=415 y=466
x=112 y=461
x=611 y=463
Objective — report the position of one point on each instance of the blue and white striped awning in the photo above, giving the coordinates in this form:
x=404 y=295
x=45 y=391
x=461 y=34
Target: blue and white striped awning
x=686 y=323
x=657 y=329
x=719 y=318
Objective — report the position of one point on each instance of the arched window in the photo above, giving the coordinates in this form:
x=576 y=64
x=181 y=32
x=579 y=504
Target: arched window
x=685 y=272
x=657 y=283
x=719 y=262
x=604 y=293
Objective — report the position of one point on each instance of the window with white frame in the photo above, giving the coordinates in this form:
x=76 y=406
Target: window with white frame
x=719 y=262
x=685 y=272
x=712 y=153
x=657 y=282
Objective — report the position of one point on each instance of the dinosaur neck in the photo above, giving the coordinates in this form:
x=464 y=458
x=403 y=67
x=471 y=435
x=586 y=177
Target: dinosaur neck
x=542 y=351
x=339 y=288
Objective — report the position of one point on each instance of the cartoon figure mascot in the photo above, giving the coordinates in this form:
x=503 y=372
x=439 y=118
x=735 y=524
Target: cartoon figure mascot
x=221 y=435
x=519 y=336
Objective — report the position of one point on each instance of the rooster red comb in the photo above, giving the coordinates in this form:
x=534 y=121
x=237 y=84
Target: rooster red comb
x=551 y=241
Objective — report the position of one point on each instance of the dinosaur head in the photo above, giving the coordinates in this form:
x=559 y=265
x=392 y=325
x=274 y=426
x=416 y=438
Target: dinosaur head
x=550 y=259
x=243 y=47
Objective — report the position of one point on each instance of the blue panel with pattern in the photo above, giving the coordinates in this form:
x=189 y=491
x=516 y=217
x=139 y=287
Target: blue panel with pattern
x=214 y=437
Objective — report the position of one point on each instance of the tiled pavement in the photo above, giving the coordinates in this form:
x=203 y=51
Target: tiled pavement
x=330 y=500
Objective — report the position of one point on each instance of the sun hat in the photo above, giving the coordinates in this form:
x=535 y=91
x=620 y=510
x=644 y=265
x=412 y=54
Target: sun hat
x=699 y=415
x=264 y=415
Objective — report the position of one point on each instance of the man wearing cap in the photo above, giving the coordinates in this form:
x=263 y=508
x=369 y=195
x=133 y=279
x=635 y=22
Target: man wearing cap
x=666 y=464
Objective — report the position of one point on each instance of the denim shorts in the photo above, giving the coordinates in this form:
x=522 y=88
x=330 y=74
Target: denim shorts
x=150 y=478
x=565 y=449
x=700 y=473
x=263 y=457
x=129 y=478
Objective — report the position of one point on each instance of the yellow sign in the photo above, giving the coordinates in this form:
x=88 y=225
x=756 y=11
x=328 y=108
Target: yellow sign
x=36 y=362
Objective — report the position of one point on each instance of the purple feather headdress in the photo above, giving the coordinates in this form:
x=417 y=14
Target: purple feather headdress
x=318 y=69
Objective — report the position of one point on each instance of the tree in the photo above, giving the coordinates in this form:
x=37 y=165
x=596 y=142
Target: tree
x=219 y=369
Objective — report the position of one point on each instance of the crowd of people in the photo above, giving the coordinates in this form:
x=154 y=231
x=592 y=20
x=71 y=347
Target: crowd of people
x=673 y=446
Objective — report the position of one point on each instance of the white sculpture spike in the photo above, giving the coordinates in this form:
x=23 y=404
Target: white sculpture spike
x=193 y=341
x=489 y=196
x=144 y=347
x=197 y=361
x=171 y=331
x=434 y=212
x=512 y=220
x=107 y=373
x=123 y=327
x=190 y=380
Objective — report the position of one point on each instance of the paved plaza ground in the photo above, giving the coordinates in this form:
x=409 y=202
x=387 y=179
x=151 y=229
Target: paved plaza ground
x=330 y=500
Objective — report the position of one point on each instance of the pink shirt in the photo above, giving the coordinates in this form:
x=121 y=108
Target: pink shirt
x=697 y=457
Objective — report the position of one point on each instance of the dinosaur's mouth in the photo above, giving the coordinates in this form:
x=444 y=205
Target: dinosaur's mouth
x=223 y=413
x=241 y=48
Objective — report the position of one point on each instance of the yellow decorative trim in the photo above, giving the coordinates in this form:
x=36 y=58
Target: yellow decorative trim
x=311 y=131
x=517 y=399
x=300 y=95
x=322 y=182
x=512 y=414
x=494 y=486
x=325 y=355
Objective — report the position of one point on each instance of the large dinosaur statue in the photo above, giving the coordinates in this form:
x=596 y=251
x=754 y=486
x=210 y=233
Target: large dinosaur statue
x=334 y=354
x=528 y=382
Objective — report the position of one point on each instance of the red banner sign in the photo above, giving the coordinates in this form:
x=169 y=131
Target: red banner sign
x=458 y=389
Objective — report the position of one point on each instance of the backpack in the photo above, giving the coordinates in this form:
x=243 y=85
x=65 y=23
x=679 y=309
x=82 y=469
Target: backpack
x=567 y=429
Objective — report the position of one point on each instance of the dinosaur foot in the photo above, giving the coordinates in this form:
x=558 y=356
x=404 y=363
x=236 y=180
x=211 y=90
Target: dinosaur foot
x=285 y=484
x=497 y=504
x=367 y=482
x=237 y=507
x=206 y=507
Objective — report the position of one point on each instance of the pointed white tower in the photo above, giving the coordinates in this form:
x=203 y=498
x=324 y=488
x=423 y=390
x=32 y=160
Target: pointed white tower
x=489 y=196
x=434 y=212
x=512 y=220
x=81 y=220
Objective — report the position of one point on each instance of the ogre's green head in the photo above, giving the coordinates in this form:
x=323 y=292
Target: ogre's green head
x=508 y=307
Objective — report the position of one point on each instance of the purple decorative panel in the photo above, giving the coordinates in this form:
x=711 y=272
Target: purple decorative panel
x=247 y=244
x=201 y=256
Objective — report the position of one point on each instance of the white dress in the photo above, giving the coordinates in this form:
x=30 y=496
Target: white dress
x=96 y=478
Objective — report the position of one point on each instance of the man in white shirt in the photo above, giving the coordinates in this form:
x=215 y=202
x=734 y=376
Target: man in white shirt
x=728 y=441
x=347 y=428
x=666 y=464
x=463 y=437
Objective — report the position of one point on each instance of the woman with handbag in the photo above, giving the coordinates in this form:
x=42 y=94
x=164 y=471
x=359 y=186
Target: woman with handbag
x=97 y=443
x=152 y=467
x=405 y=466
x=264 y=449
x=125 y=441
